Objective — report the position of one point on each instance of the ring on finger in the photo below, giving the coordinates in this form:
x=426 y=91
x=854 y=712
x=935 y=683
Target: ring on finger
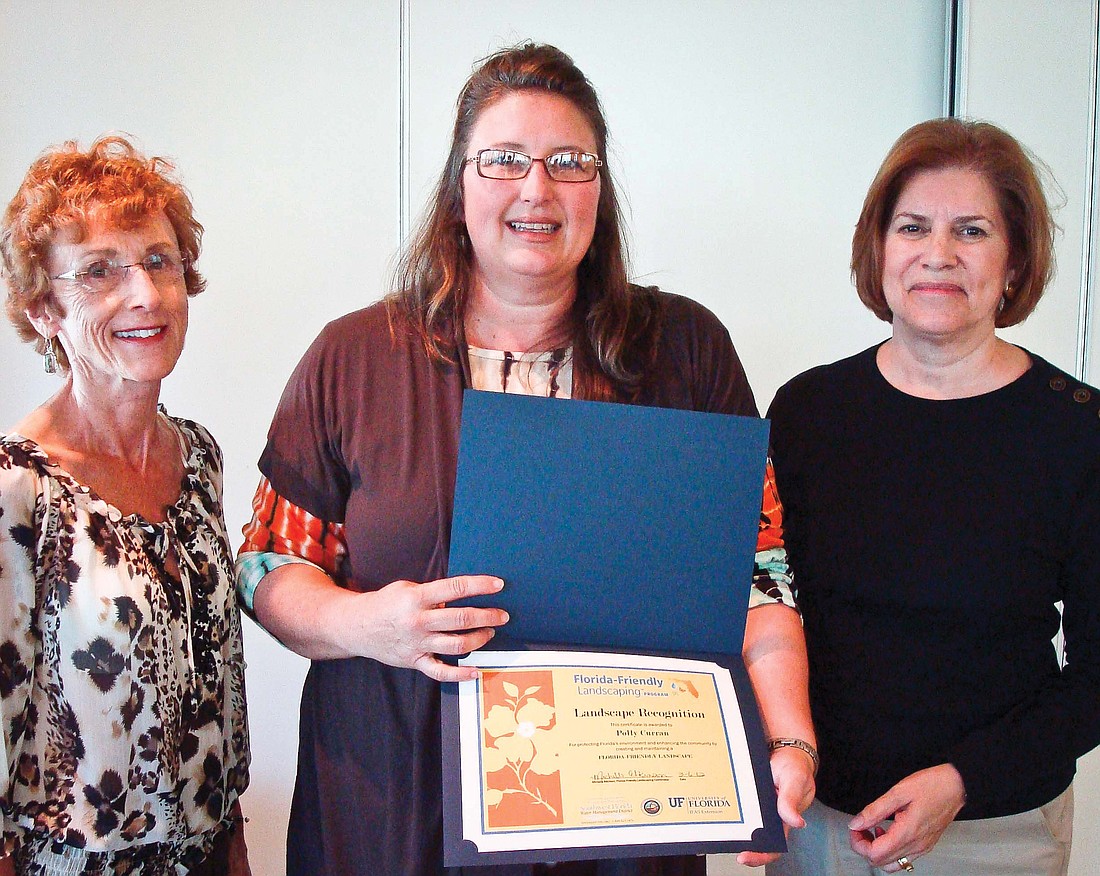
x=905 y=864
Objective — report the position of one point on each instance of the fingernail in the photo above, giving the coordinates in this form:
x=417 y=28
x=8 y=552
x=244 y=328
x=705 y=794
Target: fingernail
x=507 y=617
x=500 y=584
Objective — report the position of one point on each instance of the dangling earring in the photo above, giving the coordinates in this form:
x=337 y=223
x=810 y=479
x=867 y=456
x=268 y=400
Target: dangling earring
x=49 y=357
x=1004 y=297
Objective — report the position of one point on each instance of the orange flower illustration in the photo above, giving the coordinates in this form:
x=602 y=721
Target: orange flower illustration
x=520 y=761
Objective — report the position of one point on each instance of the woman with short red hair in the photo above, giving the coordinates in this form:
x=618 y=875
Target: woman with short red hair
x=122 y=680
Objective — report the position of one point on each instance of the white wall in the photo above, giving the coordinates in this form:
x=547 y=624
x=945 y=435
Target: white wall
x=1046 y=102
x=744 y=136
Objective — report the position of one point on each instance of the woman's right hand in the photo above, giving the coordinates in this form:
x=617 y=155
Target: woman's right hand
x=413 y=623
x=920 y=808
x=403 y=624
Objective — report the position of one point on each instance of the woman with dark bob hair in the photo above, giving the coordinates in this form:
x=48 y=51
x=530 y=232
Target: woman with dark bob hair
x=942 y=492
x=122 y=688
x=516 y=282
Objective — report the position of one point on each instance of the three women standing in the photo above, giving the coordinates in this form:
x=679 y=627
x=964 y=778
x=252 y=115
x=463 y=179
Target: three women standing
x=941 y=491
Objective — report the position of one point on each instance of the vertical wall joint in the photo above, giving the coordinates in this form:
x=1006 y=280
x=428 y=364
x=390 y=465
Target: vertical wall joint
x=1090 y=244
x=405 y=126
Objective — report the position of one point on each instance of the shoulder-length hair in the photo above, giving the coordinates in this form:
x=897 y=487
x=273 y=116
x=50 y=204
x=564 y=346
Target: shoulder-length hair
x=1010 y=170
x=614 y=322
x=69 y=188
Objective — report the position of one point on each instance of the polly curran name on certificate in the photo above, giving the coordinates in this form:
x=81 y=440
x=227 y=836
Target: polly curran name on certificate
x=566 y=748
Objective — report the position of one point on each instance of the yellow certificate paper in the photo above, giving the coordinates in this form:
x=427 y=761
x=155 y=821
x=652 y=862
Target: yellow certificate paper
x=566 y=749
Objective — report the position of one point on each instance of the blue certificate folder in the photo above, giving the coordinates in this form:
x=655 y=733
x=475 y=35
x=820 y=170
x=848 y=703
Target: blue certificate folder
x=612 y=525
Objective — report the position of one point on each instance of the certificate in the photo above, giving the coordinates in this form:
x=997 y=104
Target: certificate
x=565 y=755
x=622 y=531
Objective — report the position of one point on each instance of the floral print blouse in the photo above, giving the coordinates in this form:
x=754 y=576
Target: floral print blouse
x=121 y=685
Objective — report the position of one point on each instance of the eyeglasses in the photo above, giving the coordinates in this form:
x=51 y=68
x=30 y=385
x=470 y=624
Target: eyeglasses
x=567 y=167
x=164 y=269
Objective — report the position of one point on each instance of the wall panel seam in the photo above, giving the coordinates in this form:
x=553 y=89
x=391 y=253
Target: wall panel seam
x=404 y=134
x=950 y=57
x=958 y=54
x=1090 y=261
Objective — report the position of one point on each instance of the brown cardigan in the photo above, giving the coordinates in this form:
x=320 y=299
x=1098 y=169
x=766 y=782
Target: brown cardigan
x=366 y=434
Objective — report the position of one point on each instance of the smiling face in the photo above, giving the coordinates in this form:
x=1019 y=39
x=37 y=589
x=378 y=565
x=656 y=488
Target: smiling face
x=136 y=331
x=946 y=256
x=530 y=234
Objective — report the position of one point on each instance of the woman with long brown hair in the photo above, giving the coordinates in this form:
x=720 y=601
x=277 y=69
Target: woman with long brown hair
x=515 y=283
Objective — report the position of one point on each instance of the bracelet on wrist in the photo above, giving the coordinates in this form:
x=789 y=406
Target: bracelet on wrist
x=800 y=744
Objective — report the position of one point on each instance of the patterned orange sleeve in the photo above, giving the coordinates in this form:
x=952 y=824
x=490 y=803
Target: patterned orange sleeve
x=281 y=527
x=280 y=534
x=772 y=581
x=771 y=514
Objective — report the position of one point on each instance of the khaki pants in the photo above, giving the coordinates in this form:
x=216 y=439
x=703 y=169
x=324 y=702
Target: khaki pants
x=1034 y=843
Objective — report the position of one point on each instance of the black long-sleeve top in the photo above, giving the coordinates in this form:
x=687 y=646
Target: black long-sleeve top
x=932 y=541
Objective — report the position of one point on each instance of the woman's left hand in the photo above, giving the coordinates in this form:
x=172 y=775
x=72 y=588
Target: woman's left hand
x=921 y=806
x=793 y=775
